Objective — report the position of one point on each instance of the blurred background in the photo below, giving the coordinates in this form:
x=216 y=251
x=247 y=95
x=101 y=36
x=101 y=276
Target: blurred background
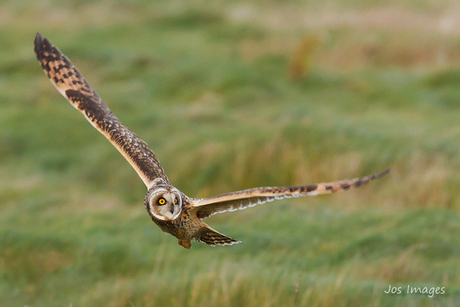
x=233 y=95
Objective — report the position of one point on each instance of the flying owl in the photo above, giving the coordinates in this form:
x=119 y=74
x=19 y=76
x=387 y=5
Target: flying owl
x=173 y=211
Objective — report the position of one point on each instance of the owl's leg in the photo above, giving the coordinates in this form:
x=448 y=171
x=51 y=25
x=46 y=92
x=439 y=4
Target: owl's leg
x=186 y=244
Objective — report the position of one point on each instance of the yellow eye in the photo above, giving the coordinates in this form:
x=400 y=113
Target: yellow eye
x=175 y=200
x=161 y=201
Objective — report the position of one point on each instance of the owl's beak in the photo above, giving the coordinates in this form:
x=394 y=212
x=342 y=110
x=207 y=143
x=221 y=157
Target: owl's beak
x=171 y=209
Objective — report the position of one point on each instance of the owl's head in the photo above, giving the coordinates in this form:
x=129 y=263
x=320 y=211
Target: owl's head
x=163 y=202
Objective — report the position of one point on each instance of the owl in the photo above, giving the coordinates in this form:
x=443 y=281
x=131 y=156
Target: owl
x=173 y=211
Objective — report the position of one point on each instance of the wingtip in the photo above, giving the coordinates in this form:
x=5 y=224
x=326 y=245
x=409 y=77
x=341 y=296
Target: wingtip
x=38 y=41
x=41 y=44
x=379 y=175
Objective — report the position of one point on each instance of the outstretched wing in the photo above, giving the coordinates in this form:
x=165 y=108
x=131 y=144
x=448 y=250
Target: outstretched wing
x=249 y=198
x=71 y=84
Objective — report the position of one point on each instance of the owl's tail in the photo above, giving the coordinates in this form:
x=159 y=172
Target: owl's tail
x=211 y=237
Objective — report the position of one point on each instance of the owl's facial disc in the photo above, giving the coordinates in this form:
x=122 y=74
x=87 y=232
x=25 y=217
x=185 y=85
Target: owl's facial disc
x=164 y=203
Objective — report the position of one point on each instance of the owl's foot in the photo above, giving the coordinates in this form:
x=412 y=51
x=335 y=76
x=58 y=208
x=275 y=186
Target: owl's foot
x=186 y=244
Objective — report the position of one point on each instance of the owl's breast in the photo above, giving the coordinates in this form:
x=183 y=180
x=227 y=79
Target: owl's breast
x=183 y=228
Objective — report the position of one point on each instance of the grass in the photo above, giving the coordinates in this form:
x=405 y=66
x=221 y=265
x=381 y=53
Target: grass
x=209 y=88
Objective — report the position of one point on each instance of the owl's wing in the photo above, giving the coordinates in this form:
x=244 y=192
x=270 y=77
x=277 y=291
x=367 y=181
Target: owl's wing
x=248 y=198
x=71 y=84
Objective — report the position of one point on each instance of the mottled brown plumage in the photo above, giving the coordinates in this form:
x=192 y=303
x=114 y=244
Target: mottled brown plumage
x=173 y=211
x=71 y=84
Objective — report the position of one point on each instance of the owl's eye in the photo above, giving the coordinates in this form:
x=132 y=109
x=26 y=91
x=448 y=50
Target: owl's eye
x=161 y=201
x=175 y=200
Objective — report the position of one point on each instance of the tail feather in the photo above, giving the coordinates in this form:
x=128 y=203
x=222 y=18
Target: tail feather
x=211 y=237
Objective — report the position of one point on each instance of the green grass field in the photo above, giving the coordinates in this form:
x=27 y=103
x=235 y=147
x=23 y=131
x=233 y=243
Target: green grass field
x=232 y=95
